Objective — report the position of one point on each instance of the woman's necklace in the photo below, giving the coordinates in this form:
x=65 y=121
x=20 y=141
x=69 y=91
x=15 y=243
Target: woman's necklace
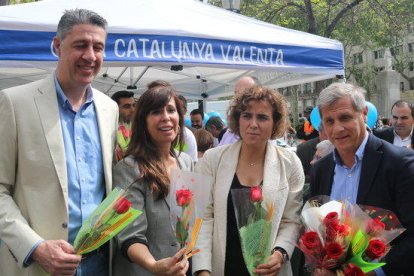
x=252 y=164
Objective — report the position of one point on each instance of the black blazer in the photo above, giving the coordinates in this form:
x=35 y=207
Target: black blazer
x=305 y=151
x=387 y=134
x=387 y=181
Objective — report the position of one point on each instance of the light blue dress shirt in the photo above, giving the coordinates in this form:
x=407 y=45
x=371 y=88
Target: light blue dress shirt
x=346 y=180
x=86 y=188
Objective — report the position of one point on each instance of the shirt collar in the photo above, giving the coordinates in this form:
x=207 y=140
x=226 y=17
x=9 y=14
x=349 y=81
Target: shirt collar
x=63 y=100
x=358 y=154
x=409 y=136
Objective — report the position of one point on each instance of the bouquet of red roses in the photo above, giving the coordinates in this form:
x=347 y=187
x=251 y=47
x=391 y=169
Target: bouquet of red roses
x=188 y=198
x=346 y=238
x=254 y=216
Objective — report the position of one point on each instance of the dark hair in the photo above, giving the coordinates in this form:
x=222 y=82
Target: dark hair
x=122 y=94
x=74 y=17
x=197 y=111
x=142 y=147
x=259 y=93
x=214 y=121
x=204 y=139
x=402 y=103
x=385 y=121
x=158 y=83
x=184 y=100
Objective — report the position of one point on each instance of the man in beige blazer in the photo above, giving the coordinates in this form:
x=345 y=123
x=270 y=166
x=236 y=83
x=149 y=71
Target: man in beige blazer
x=57 y=142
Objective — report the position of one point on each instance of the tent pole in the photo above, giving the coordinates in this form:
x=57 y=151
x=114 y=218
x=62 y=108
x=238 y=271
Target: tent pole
x=141 y=75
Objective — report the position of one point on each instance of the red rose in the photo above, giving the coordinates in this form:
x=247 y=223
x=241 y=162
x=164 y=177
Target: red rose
x=353 y=270
x=311 y=240
x=331 y=219
x=375 y=226
x=183 y=197
x=334 y=250
x=376 y=249
x=256 y=194
x=122 y=205
x=343 y=230
x=125 y=132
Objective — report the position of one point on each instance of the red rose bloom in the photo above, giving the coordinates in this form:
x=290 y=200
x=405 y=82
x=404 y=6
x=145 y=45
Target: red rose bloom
x=122 y=205
x=183 y=197
x=343 y=230
x=256 y=194
x=353 y=270
x=334 y=250
x=125 y=132
x=376 y=249
x=331 y=219
x=311 y=240
x=375 y=226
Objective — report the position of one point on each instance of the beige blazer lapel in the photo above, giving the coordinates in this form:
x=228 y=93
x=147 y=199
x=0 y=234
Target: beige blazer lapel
x=47 y=106
x=271 y=173
x=105 y=123
x=225 y=173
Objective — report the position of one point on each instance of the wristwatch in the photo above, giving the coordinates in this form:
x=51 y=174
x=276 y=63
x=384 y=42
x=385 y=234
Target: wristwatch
x=285 y=256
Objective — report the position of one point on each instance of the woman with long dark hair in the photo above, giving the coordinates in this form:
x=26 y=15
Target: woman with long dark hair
x=148 y=245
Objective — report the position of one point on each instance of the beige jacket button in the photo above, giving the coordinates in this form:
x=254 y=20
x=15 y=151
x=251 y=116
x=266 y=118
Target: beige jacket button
x=64 y=225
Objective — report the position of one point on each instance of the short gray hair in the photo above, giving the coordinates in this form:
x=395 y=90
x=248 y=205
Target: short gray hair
x=337 y=91
x=326 y=147
x=74 y=17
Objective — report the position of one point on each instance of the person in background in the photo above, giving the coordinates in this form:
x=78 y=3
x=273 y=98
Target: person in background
x=205 y=141
x=256 y=115
x=190 y=143
x=323 y=148
x=148 y=245
x=56 y=156
x=365 y=170
x=402 y=122
x=242 y=84
x=385 y=122
x=197 y=117
x=306 y=151
x=306 y=131
x=215 y=126
x=126 y=104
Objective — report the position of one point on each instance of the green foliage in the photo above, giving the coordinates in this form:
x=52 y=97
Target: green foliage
x=371 y=24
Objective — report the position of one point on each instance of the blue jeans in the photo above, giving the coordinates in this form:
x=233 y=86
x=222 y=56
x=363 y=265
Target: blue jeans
x=95 y=263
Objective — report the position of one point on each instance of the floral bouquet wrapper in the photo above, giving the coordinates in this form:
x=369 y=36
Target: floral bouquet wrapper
x=345 y=237
x=123 y=137
x=188 y=198
x=105 y=222
x=254 y=216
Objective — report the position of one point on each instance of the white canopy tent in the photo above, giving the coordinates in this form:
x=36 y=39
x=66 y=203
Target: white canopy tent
x=201 y=49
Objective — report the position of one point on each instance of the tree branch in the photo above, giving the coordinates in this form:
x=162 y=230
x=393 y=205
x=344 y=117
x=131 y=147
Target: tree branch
x=338 y=17
x=312 y=27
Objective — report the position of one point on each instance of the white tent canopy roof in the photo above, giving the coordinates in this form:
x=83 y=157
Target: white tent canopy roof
x=146 y=37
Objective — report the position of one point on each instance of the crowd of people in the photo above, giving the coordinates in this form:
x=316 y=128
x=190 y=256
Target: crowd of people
x=65 y=146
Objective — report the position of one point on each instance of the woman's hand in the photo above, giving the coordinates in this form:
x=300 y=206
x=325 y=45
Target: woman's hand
x=273 y=265
x=176 y=265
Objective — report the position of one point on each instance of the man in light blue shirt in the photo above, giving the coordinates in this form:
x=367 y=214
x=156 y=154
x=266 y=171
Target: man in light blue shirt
x=365 y=170
x=56 y=164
